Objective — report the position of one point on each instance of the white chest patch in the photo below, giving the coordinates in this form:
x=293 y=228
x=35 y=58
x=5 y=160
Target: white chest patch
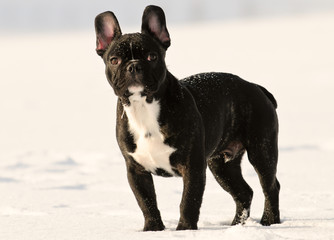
x=151 y=152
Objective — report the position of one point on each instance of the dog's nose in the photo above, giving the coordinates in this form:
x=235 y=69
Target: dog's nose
x=134 y=67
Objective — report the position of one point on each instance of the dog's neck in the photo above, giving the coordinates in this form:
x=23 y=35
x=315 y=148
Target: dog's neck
x=169 y=88
x=169 y=83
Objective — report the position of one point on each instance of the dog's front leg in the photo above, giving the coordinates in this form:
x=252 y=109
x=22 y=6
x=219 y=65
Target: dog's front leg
x=141 y=183
x=193 y=189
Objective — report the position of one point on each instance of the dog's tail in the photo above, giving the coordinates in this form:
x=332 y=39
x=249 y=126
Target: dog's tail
x=269 y=95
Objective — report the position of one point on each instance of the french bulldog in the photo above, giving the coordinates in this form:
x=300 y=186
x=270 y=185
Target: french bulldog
x=170 y=127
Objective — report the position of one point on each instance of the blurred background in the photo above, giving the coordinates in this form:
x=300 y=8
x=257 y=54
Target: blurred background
x=61 y=173
x=53 y=91
x=41 y=15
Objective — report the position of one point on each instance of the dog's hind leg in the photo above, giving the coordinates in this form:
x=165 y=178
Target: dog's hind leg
x=263 y=156
x=228 y=175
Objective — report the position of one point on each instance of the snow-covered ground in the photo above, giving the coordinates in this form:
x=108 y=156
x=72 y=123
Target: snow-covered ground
x=61 y=173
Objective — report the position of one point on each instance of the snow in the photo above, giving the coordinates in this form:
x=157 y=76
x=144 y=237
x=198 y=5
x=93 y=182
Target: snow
x=63 y=177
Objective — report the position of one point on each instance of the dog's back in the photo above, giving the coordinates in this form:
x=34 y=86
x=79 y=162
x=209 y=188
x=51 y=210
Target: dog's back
x=234 y=99
x=200 y=84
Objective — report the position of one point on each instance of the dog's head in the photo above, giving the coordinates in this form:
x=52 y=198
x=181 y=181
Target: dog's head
x=133 y=60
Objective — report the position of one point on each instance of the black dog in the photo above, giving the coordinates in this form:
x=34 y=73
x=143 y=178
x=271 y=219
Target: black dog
x=176 y=128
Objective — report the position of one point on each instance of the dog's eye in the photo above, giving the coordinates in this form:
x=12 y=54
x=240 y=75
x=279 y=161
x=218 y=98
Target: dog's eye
x=152 y=57
x=114 y=60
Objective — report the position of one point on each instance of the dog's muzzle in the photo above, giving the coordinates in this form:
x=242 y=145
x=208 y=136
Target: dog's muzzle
x=135 y=67
x=134 y=73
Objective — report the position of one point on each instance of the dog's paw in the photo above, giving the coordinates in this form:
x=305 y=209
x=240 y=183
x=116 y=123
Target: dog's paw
x=269 y=221
x=154 y=225
x=270 y=218
x=186 y=226
x=241 y=218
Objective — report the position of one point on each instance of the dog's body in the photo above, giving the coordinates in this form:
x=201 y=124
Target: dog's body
x=176 y=128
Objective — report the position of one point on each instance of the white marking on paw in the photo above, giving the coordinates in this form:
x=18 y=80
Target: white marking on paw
x=244 y=216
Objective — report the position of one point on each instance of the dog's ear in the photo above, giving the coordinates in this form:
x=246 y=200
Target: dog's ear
x=154 y=24
x=107 y=29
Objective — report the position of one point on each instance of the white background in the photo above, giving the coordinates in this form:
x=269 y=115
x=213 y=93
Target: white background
x=61 y=173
